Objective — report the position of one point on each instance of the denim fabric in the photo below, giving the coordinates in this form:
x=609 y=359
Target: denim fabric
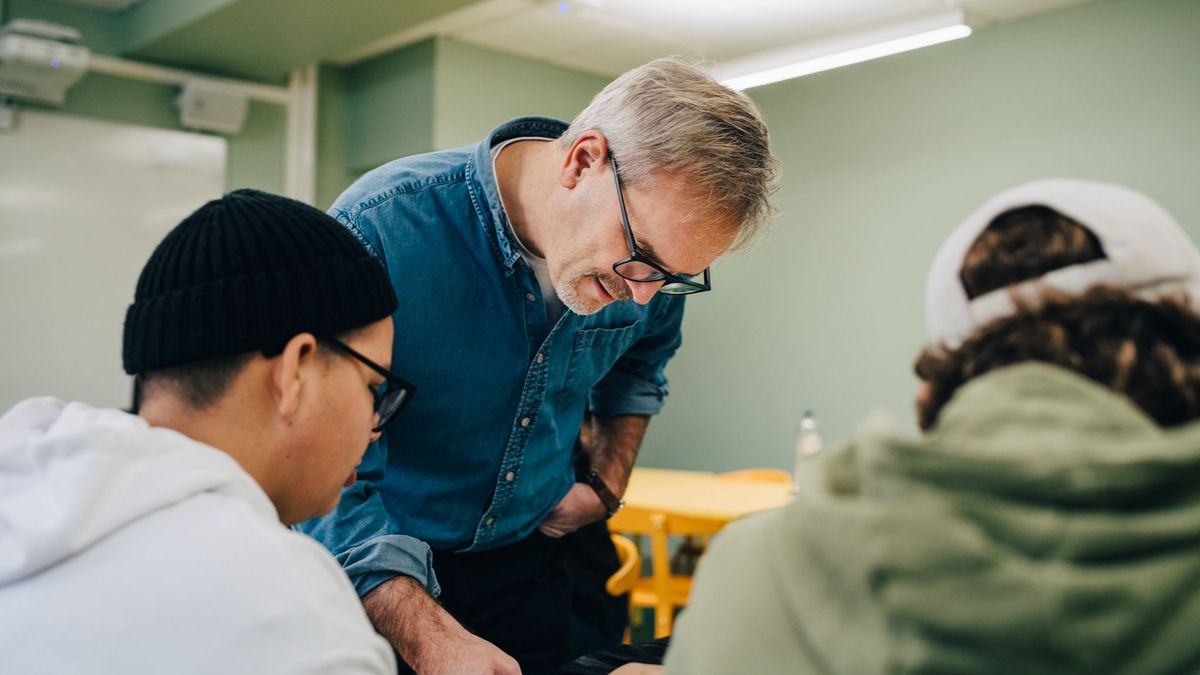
x=484 y=450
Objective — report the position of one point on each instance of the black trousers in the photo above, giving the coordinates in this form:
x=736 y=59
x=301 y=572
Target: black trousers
x=517 y=597
x=598 y=619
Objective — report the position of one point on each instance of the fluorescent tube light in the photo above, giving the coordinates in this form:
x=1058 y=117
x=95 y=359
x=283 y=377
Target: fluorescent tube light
x=786 y=64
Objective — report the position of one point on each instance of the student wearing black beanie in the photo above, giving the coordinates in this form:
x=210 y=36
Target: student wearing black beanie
x=261 y=335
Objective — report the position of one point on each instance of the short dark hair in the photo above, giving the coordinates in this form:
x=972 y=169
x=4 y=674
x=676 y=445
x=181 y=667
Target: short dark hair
x=202 y=383
x=1022 y=244
x=1147 y=350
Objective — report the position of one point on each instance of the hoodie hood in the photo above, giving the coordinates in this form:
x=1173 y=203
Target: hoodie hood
x=71 y=474
x=1046 y=525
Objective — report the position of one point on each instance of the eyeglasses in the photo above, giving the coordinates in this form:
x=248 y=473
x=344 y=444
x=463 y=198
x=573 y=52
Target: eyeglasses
x=392 y=398
x=639 y=267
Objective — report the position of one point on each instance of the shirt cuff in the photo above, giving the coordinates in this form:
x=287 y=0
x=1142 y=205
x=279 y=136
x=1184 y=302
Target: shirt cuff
x=374 y=562
x=622 y=393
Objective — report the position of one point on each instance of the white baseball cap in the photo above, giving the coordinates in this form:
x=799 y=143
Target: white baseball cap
x=1146 y=251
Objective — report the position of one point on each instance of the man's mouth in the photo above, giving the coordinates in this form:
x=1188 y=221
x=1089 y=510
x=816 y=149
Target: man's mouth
x=620 y=292
x=605 y=296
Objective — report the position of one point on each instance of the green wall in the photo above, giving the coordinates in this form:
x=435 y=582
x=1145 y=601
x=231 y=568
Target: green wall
x=880 y=161
x=433 y=95
x=478 y=89
x=389 y=109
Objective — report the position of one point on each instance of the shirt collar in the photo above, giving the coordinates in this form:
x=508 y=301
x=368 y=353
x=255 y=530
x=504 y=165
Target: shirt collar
x=483 y=180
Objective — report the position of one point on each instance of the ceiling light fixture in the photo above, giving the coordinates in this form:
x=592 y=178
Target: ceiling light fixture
x=806 y=59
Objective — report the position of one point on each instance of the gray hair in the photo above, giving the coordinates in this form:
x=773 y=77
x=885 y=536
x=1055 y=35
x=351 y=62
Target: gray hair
x=668 y=115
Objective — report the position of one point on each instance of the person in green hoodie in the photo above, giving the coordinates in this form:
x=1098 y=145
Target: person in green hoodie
x=1047 y=520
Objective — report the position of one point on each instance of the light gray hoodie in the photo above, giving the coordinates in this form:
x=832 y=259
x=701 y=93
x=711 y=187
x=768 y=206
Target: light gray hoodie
x=131 y=549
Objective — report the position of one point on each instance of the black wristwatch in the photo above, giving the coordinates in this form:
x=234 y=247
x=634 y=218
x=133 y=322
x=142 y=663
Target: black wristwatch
x=612 y=503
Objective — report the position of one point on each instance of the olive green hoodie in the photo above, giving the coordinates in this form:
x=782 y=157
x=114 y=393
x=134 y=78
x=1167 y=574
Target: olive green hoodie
x=1046 y=525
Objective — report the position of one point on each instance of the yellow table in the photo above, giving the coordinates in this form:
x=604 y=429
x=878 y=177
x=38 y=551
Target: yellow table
x=664 y=502
x=697 y=494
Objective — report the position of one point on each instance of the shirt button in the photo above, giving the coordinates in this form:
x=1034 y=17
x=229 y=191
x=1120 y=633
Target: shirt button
x=540 y=357
x=509 y=476
x=524 y=421
x=530 y=297
x=489 y=521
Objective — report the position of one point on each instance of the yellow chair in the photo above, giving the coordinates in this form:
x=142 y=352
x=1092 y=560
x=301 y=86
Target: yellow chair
x=662 y=591
x=623 y=580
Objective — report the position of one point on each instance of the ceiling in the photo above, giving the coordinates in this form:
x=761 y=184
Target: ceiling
x=264 y=39
x=607 y=37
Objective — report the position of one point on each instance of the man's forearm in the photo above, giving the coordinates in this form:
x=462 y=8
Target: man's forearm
x=402 y=610
x=613 y=447
x=427 y=637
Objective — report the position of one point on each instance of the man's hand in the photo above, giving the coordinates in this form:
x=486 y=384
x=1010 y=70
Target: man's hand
x=427 y=637
x=580 y=507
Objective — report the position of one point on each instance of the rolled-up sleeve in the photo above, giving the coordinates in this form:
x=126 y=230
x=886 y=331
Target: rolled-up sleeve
x=637 y=382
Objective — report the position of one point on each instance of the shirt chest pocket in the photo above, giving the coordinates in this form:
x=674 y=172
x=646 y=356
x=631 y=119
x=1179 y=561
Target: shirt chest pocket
x=594 y=353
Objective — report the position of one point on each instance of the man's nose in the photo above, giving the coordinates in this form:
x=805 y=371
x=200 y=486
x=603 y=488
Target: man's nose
x=643 y=290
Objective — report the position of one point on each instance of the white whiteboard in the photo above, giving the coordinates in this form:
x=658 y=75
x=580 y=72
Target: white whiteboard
x=82 y=205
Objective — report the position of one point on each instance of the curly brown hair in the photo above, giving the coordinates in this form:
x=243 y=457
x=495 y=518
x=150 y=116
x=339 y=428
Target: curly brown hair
x=1148 y=351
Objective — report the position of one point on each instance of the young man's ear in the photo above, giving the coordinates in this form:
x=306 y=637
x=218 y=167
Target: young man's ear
x=589 y=151
x=289 y=371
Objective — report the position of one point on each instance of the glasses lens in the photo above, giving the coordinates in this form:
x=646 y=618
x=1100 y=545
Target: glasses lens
x=389 y=404
x=635 y=270
x=679 y=289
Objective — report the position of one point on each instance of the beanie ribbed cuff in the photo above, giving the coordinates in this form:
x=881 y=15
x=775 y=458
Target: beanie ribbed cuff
x=247 y=273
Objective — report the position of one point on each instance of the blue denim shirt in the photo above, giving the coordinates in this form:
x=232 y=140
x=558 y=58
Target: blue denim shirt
x=484 y=450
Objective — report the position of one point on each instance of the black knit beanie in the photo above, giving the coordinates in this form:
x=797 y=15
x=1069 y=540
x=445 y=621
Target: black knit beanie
x=248 y=272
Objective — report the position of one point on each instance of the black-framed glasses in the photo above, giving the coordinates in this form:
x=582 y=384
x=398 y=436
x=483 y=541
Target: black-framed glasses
x=639 y=267
x=396 y=393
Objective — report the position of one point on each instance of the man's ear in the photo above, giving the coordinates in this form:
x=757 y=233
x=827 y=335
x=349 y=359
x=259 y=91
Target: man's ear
x=289 y=371
x=589 y=151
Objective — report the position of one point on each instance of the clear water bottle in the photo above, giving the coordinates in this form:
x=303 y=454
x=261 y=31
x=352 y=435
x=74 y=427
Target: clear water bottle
x=808 y=448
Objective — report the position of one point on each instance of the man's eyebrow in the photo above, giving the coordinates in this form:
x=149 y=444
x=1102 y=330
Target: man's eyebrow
x=648 y=251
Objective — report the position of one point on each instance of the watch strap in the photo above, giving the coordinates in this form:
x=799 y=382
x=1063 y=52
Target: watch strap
x=612 y=503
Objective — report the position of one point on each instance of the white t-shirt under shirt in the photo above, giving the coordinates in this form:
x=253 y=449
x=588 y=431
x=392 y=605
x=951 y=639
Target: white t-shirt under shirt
x=554 y=306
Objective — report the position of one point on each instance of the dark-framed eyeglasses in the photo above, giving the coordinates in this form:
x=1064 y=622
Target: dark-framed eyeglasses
x=397 y=391
x=639 y=267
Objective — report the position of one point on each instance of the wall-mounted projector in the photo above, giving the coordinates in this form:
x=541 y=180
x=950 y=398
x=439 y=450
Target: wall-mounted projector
x=39 y=61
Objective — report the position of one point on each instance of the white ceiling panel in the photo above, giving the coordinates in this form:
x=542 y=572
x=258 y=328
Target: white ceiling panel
x=608 y=37
x=611 y=57
x=557 y=32
x=727 y=29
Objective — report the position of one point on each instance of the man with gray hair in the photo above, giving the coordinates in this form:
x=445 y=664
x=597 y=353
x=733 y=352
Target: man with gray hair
x=513 y=260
